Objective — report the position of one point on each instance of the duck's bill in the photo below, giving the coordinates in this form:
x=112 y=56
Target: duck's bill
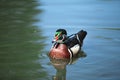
x=54 y=40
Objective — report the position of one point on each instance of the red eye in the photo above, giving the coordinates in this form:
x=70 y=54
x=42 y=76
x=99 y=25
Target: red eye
x=56 y=38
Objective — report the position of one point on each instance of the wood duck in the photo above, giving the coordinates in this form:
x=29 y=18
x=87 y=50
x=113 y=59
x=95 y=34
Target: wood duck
x=66 y=47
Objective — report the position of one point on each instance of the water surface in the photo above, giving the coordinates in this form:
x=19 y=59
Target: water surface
x=21 y=42
x=101 y=19
x=27 y=29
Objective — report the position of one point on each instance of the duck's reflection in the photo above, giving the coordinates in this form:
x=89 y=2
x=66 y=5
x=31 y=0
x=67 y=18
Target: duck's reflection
x=60 y=66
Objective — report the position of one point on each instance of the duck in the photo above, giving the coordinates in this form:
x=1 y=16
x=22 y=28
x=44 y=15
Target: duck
x=66 y=47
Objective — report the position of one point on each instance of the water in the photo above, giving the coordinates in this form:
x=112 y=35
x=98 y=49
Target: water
x=21 y=42
x=27 y=29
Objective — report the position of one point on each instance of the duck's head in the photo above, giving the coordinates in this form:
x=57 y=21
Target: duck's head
x=60 y=35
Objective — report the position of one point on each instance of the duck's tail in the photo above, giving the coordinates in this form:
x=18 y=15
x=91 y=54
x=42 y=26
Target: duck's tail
x=81 y=36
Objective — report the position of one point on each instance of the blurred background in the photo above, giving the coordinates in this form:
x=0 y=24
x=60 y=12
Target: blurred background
x=27 y=28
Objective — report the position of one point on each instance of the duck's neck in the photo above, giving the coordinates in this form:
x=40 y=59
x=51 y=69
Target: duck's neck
x=56 y=45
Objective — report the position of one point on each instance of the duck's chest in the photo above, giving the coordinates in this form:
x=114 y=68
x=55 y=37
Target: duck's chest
x=59 y=51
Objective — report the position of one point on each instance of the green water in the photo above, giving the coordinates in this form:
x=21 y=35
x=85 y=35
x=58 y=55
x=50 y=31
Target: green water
x=20 y=41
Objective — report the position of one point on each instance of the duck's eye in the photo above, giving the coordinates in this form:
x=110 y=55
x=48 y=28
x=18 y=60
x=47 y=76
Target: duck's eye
x=61 y=37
